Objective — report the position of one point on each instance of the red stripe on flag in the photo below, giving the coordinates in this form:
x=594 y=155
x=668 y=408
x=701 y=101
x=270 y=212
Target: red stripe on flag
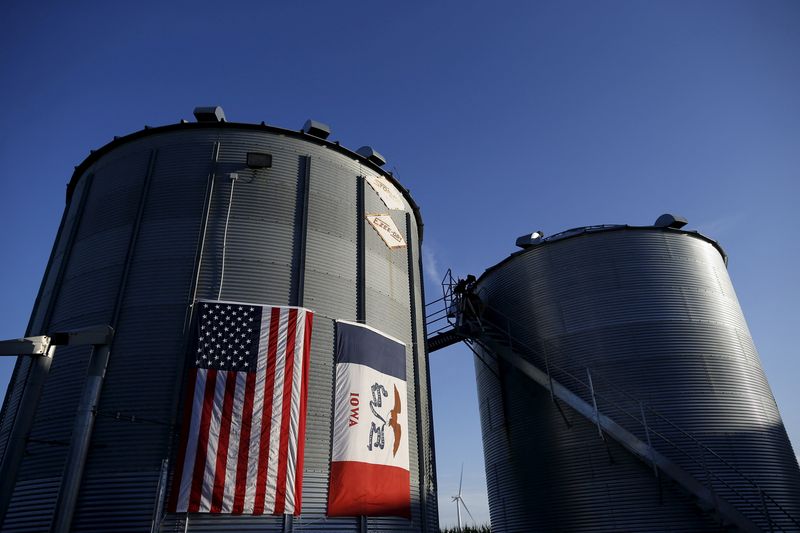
x=301 y=434
x=368 y=489
x=283 y=448
x=244 y=444
x=185 y=423
x=266 y=419
x=224 y=440
x=202 y=441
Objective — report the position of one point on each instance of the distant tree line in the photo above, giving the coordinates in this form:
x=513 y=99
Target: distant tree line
x=468 y=529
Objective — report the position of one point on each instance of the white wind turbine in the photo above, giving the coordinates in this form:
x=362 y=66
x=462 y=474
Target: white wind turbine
x=458 y=499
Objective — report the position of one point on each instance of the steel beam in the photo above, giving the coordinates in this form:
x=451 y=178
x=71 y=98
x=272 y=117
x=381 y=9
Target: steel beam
x=17 y=441
x=26 y=346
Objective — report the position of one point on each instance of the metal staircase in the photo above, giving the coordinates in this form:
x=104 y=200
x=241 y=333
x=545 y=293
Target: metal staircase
x=716 y=486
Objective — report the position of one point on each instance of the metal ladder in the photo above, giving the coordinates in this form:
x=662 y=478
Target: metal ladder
x=727 y=493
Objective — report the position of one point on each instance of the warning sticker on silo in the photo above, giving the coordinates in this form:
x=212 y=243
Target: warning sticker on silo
x=387 y=229
x=387 y=192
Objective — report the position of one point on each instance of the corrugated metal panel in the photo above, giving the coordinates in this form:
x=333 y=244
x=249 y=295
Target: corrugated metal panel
x=388 y=310
x=86 y=297
x=38 y=315
x=547 y=476
x=136 y=404
x=47 y=446
x=428 y=484
x=115 y=500
x=651 y=313
x=32 y=505
x=260 y=223
x=13 y=396
x=318 y=426
x=316 y=468
x=331 y=245
x=133 y=431
x=61 y=251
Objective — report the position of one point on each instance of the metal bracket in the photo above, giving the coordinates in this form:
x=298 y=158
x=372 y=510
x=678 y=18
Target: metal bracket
x=94 y=335
x=40 y=345
x=26 y=346
x=100 y=338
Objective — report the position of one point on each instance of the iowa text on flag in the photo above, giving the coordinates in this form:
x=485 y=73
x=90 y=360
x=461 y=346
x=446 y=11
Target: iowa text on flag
x=241 y=449
x=369 y=460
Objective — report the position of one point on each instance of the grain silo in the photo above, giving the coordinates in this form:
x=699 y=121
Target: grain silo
x=211 y=210
x=620 y=389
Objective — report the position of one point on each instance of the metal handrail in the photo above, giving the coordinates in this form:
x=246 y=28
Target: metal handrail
x=506 y=332
x=443 y=328
x=434 y=301
x=449 y=298
x=435 y=321
x=704 y=447
x=440 y=311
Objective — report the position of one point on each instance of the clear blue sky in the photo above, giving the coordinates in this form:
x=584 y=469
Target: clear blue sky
x=500 y=117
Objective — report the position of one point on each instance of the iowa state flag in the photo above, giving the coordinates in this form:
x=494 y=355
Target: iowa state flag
x=369 y=460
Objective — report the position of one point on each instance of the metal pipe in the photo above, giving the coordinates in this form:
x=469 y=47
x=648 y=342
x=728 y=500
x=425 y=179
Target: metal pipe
x=594 y=404
x=193 y=287
x=649 y=443
x=549 y=375
x=225 y=237
x=430 y=458
x=81 y=437
x=766 y=511
x=415 y=349
x=361 y=259
x=161 y=494
x=17 y=441
x=297 y=288
x=301 y=229
x=361 y=280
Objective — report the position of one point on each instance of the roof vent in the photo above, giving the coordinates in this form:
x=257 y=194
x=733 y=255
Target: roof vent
x=668 y=220
x=317 y=129
x=209 y=114
x=369 y=153
x=528 y=240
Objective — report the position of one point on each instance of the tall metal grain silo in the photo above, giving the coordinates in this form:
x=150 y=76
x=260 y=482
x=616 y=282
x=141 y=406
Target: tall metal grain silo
x=210 y=210
x=620 y=389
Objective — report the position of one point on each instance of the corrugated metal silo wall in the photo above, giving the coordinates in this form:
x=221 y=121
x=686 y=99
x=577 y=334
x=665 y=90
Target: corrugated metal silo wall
x=163 y=181
x=39 y=316
x=653 y=315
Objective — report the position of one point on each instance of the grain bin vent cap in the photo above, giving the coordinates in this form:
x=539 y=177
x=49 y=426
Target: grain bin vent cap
x=209 y=114
x=317 y=129
x=371 y=155
x=529 y=239
x=668 y=220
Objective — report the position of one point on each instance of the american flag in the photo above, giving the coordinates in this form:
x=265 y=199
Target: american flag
x=241 y=449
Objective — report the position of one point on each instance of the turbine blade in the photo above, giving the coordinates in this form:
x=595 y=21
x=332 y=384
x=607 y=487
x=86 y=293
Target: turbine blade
x=465 y=508
x=461 y=480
